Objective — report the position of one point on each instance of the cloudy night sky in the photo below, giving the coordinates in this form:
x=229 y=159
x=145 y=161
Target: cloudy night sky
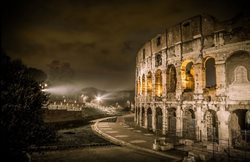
x=98 y=38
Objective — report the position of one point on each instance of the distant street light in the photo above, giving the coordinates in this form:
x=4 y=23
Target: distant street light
x=99 y=99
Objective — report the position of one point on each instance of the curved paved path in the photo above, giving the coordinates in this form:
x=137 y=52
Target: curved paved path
x=122 y=134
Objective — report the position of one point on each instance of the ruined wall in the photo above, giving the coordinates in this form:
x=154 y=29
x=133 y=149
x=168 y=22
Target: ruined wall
x=196 y=40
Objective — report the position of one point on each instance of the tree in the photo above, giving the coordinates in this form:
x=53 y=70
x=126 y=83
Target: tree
x=21 y=121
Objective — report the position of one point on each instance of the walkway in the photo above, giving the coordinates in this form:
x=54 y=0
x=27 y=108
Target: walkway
x=121 y=133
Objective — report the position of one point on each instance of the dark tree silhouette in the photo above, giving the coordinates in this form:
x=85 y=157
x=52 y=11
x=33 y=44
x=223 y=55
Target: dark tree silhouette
x=21 y=114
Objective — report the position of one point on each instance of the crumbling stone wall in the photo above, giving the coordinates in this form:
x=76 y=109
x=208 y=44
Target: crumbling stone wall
x=195 y=40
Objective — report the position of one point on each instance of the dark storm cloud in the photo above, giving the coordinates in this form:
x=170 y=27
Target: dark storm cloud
x=99 y=38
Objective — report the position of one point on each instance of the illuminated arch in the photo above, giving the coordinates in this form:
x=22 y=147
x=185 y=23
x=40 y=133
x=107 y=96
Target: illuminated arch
x=158 y=83
x=143 y=85
x=171 y=78
x=187 y=76
x=149 y=84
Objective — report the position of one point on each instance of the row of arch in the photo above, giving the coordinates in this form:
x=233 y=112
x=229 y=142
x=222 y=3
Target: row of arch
x=145 y=119
x=237 y=123
x=145 y=84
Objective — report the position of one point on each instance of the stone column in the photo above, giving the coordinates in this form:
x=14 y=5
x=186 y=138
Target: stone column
x=164 y=81
x=140 y=117
x=199 y=84
x=178 y=81
x=153 y=119
x=179 y=120
x=223 y=128
x=220 y=78
x=153 y=84
x=199 y=118
x=164 y=120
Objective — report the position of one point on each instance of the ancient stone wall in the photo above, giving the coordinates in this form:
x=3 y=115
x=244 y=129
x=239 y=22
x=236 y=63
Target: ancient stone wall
x=198 y=74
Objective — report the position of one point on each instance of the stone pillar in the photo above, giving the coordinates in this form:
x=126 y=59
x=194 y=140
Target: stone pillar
x=140 y=93
x=220 y=78
x=153 y=119
x=146 y=85
x=164 y=119
x=153 y=84
x=179 y=121
x=199 y=84
x=178 y=81
x=223 y=127
x=199 y=119
x=164 y=83
x=140 y=117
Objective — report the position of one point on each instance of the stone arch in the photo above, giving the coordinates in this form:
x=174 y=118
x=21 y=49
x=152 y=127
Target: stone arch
x=149 y=84
x=211 y=123
x=238 y=58
x=240 y=128
x=187 y=76
x=189 y=124
x=143 y=84
x=159 y=119
x=210 y=72
x=171 y=78
x=149 y=118
x=158 y=83
x=240 y=75
x=171 y=121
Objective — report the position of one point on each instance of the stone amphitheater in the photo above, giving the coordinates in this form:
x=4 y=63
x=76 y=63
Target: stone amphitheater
x=193 y=82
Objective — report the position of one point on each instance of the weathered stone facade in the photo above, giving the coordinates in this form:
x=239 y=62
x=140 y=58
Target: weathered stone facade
x=193 y=81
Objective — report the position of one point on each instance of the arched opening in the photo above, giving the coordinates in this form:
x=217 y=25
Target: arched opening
x=238 y=76
x=158 y=83
x=159 y=118
x=149 y=117
x=143 y=85
x=138 y=86
x=138 y=115
x=212 y=126
x=189 y=124
x=187 y=76
x=240 y=128
x=149 y=84
x=210 y=73
x=171 y=130
x=171 y=79
x=142 y=116
x=158 y=60
x=239 y=58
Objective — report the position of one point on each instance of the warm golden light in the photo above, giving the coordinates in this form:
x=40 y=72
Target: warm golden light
x=158 y=83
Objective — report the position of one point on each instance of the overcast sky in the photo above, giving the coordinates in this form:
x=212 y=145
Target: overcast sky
x=98 y=38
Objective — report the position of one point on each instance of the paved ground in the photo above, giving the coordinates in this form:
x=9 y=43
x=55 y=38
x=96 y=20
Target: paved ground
x=125 y=134
x=98 y=154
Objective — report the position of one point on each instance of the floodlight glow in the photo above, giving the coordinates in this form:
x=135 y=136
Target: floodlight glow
x=98 y=98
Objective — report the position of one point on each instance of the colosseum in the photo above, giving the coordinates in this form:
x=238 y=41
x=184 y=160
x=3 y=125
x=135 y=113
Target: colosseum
x=193 y=82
